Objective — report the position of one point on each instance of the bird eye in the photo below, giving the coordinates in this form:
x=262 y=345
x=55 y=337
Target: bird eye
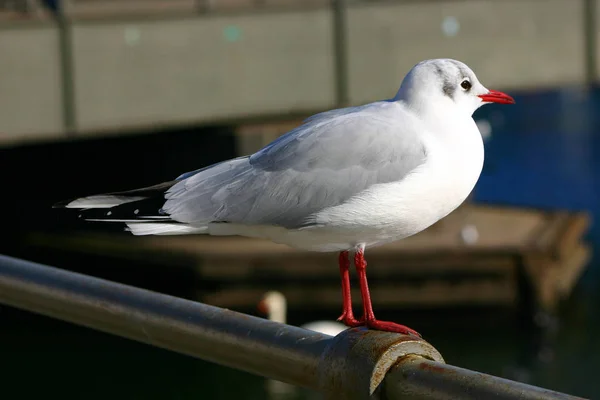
x=465 y=84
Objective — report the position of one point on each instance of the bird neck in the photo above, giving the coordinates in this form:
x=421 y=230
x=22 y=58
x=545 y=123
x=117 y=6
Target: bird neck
x=277 y=312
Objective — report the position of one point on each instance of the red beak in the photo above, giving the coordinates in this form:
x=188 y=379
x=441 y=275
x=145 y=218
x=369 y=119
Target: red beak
x=262 y=307
x=493 y=96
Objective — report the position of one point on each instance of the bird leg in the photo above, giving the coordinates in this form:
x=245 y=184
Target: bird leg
x=369 y=316
x=347 y=316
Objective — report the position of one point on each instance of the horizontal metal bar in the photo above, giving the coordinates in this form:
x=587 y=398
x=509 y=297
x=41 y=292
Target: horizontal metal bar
x=352 y=365
x=226 y=337
x=415 y=378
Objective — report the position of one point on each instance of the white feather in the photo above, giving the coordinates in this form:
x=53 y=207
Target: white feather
x=152 y=228
x=101 y=201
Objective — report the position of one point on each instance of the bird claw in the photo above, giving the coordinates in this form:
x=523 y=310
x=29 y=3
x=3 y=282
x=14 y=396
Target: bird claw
x=350 y=321
x=391 y=327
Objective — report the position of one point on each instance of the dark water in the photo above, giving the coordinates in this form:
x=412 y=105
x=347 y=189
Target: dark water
x=543 y=152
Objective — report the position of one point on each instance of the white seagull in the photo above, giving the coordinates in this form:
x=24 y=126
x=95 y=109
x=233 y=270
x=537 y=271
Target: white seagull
x=343 y=181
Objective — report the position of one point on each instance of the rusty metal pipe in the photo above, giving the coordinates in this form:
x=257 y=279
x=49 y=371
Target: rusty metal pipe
x=256 y=345
x=352 y=365
x=414 y=377
x=226 y=337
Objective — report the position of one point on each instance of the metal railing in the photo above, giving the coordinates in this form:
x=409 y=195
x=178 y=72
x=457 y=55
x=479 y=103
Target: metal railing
x=356 y=364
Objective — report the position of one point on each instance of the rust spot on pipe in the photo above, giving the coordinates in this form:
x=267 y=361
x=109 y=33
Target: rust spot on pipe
x=432 y=368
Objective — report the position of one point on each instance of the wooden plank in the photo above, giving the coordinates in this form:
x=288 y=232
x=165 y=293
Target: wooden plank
x=554 y=279
x=431 y=294
x=545 y=237
x=542 y=271
x=501 y=231
x=434 y=267
x=561 y=233
x=325 y=266
x=107 y=245
x=571 y=269
x=558 y=257
x=572 y=234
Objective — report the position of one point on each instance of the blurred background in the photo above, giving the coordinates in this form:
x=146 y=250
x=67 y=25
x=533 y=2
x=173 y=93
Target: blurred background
x=106 y=95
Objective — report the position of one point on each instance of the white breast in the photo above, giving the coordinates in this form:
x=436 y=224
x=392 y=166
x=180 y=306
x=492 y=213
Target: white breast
x=393 y=211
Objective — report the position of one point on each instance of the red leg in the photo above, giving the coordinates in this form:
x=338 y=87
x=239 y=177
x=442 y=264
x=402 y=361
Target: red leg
x=347 y=316
x=371 y=321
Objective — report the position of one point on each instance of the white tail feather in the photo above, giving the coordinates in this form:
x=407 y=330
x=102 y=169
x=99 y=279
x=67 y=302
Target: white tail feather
x=101 y=201
x=125 y=220
x=165 y=228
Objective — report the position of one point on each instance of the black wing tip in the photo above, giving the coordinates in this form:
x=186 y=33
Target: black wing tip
x=144 y=210
x=148 y=191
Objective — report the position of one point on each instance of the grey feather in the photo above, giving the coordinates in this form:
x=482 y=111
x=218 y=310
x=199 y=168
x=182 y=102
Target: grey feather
x=324 y=162
x=449 y=72
x=449 y=88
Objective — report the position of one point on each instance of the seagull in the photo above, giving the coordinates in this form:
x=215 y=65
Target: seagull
x=343 y=181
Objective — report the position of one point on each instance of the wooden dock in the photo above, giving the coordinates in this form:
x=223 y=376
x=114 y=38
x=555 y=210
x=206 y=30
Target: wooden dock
x=478 y=255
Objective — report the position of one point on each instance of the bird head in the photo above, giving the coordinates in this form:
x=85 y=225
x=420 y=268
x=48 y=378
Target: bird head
x=446 y=84
x=273 y=305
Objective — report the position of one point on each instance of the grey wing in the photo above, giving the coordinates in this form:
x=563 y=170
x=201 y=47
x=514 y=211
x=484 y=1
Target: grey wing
x=318 y=165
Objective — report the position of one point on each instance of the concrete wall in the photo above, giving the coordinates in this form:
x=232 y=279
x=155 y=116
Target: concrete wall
x=129 y=73
x=510 y=44
x=142 y=72
x=30 y=89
